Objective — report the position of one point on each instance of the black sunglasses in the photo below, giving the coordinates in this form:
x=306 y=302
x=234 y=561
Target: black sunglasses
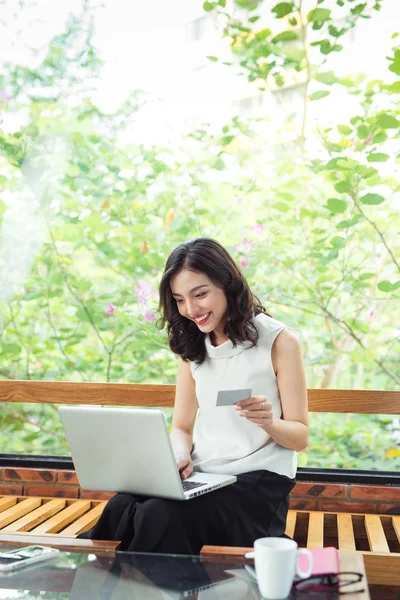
x=336 y=582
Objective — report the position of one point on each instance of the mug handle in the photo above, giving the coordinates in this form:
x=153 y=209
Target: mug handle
x=307 y=572
x=250 y=555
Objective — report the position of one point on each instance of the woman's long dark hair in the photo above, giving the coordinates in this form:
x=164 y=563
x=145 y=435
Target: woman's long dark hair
x=207 y=256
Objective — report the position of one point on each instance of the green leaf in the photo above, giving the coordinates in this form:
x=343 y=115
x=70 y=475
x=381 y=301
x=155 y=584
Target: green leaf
x=380 y=137
x=218 y=164
x=207 y=6
x=332 y=255
x=385 y=286
x=227 y=139
x=293 y=53
x=282 y=9
x=319 y=14
x=362 y=131
x=285 y=36
x=373 y=199
x=343 y=187
x=281 y=206
x=393 y=88
x=355 y=120
x=327 y=77
x=395 y=67
x=347 y=223
x=286 y=195
x=377 y=157
x=387 y=121
x=347 y=163
x=344 y=129
x=212 y=58
x=263 y=34
x=338 y=242
x=366 y=172
x=10 y=349
x=337 y=205
x=319 y=94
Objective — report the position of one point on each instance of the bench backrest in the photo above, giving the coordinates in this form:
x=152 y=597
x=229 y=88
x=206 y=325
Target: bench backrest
x=157 y=395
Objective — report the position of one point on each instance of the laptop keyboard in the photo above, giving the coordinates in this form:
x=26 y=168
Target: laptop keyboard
x=190 y=485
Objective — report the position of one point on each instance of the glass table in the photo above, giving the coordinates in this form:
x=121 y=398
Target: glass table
x=139 y=576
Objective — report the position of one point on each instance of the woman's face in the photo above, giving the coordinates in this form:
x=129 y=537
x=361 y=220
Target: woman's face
x=201 y=301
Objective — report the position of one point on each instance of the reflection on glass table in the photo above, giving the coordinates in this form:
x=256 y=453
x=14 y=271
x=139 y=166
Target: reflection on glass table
x=138 y=576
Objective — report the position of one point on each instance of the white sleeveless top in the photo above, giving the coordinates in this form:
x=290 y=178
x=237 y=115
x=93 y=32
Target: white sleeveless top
x=224 y=442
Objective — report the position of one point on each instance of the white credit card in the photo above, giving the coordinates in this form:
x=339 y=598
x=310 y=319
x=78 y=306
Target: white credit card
x=230 y=397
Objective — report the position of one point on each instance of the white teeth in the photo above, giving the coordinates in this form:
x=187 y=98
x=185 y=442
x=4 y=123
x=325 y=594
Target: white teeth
x=203 y=318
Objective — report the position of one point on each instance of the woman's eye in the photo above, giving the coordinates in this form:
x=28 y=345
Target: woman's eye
x=178 y=301
x=201 y=295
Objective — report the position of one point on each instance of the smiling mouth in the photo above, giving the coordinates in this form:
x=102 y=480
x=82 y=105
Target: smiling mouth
x=202 y=319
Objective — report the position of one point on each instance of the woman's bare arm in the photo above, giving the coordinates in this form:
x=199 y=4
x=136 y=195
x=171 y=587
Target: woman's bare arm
x=185 y=410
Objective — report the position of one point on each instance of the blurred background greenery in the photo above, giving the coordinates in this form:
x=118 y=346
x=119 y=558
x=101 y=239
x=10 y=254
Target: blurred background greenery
x=275 y=144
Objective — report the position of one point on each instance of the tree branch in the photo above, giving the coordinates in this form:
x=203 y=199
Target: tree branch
x=378 y=231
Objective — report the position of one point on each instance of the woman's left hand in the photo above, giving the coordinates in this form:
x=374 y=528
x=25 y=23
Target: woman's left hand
x=256 y=409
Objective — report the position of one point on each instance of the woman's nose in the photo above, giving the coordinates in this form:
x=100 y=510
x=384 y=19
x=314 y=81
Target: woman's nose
x=191 y=307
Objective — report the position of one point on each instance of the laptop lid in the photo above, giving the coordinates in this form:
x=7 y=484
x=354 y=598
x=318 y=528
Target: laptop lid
x=127 y=450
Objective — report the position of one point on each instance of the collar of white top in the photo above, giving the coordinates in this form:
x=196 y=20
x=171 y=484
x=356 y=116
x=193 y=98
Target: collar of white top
x=225 y=350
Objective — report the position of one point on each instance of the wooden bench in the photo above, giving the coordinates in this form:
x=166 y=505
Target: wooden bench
x=57 y=521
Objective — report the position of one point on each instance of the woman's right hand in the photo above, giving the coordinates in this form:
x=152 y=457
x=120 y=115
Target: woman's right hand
x=185 y=466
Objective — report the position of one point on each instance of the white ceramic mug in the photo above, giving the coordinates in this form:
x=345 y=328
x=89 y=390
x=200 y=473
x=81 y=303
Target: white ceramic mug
x=277 y=562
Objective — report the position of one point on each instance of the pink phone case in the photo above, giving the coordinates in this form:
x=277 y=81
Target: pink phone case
x=326 y=560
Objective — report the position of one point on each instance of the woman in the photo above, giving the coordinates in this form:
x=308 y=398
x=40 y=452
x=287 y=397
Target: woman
x=224 y=341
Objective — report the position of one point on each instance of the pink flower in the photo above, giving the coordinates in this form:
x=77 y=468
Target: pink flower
x=258 y=229
x=111 y=309
x=144 y=292
x=245 y=246
x=245 y=262
x=148 y=316
x=371 y=315
x=368 y=140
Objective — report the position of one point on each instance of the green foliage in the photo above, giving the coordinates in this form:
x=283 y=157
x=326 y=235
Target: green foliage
x=315 y=233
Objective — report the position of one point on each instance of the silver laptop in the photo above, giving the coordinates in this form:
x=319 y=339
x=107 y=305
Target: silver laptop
x=129 y=450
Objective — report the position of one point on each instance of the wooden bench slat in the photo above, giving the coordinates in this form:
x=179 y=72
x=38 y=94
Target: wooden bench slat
x=315 y=538
x=345 y=532
x=225 y=551
x=71 y=392
x=66 y=544
x=133 y=394
x=19 y=510
x=396 y=526
x=376 y=535
x=30 y=520
x=85 y=522
x=63 y=518
x=291 y=523
x=7 y=501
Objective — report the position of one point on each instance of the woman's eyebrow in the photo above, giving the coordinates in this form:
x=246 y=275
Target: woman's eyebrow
x=192 y=290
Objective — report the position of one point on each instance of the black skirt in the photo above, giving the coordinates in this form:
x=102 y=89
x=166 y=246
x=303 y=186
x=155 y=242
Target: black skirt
x=254 y=506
